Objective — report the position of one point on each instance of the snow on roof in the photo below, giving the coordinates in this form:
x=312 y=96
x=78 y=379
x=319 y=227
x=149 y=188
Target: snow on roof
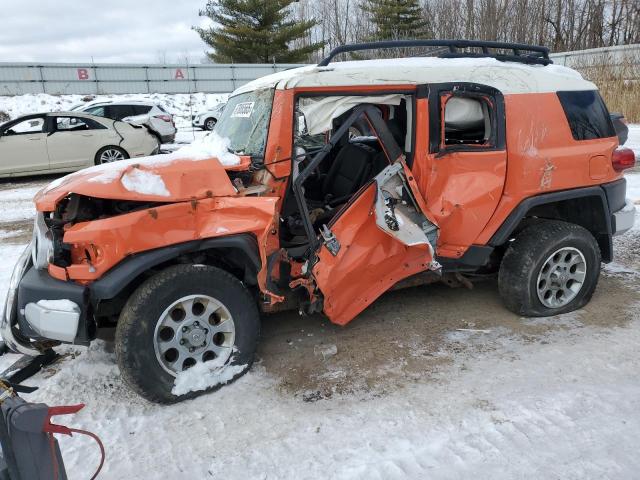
x=508 y=77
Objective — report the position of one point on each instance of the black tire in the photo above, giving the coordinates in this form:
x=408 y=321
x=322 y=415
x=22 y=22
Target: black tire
x=134 y=340
x=526 y=256
x=209 y=124
x=97 y=158
x=159 y=140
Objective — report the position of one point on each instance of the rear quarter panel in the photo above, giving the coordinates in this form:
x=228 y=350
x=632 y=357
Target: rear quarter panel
x=543 y=156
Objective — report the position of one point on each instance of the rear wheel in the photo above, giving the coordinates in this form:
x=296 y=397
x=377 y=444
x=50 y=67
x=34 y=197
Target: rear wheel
x=549 y=269
x=110 y=154
x=186 y=317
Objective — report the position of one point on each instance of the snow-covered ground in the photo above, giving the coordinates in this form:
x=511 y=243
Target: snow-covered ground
x=457 y=388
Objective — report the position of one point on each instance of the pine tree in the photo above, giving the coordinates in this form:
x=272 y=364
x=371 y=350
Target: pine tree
x=255 y=31
x=395 y=19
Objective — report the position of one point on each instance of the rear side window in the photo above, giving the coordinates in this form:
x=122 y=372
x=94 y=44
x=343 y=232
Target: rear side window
x=141 y=109
x=587 y=115
x=118 y=112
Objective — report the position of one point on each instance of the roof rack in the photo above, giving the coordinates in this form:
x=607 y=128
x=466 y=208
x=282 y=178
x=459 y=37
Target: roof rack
x=519 y=52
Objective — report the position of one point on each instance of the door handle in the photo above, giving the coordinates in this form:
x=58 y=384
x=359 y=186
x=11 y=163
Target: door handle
x=34 y=139
x=87 y=135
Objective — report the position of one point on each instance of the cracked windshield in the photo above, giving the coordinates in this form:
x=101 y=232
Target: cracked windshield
x=245 y=122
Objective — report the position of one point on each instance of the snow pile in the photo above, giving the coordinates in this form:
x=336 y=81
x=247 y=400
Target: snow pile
x=62 y=305
x=205 y=375
x=212 y=145
x=144 y=183
x=181 y=106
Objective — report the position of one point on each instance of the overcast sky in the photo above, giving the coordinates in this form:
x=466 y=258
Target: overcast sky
x=107 y=30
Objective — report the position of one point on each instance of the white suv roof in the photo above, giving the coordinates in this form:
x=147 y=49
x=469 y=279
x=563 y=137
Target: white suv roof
x=508 y=77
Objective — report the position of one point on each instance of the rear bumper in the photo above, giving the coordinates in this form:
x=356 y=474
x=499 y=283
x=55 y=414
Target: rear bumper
x=623 y=220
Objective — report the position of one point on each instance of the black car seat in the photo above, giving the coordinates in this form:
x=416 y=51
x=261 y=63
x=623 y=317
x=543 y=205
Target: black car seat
x=348 y=172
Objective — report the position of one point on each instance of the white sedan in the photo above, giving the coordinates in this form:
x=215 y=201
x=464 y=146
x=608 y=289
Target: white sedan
x=66 y=142
x=207 y=120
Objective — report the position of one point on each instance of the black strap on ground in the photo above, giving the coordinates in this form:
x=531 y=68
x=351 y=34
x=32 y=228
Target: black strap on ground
x=26 y=367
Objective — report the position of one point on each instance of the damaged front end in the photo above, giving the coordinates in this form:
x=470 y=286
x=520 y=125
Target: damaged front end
x=88 y=250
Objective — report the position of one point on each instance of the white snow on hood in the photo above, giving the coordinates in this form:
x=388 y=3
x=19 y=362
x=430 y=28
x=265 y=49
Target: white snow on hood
x=144 y=182
x=212 y=145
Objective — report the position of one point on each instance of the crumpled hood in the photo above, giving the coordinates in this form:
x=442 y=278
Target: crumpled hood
x=162 y=178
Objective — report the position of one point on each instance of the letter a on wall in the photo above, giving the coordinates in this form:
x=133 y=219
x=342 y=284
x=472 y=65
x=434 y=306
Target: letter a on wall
x=179 y=74
x=83 y=74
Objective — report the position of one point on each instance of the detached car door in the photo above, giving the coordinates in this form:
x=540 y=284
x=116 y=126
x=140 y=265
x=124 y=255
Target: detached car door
x=23 y=146
x=381 y=237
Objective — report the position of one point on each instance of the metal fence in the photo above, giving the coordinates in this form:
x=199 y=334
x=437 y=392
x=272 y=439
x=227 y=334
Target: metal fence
x=611 y=56
x=70 y=78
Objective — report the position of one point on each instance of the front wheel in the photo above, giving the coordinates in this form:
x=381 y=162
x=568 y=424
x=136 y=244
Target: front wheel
x=187 y=330
x=550 y=268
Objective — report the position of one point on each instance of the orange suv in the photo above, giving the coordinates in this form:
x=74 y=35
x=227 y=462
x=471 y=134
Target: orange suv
x=320 y=189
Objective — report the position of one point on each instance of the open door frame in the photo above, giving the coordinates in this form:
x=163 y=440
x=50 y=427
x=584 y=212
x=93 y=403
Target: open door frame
x=388 y=144
x=367 y=255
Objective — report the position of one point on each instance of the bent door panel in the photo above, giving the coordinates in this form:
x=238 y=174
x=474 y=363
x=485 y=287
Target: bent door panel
x=380 y=244
x=23 y=147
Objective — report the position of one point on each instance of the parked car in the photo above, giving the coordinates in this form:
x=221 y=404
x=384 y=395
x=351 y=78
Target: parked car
x=153 y=116
x=471 y=166
x=207 y=120
x=65 y=142
x=621 y=127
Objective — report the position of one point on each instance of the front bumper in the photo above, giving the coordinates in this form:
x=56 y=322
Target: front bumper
x=623 y=219
x=27 y=322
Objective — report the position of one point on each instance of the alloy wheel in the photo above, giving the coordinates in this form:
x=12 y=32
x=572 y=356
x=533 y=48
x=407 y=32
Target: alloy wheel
x=111 y=155
x=561 y=277
x=193 y=329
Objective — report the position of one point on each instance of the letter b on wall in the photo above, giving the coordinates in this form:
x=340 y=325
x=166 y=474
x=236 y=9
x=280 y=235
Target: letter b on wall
x=83 y=74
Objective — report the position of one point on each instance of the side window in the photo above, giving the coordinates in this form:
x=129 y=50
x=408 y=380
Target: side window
x=587 y=115
x=74 y=124
x=467 y=121
x=33 y=125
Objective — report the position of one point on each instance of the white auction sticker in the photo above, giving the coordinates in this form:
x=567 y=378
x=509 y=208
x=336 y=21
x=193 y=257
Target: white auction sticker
x=243 y=109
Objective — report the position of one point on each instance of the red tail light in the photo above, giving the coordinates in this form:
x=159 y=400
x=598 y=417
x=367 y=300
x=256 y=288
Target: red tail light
x=165 y=118
x=622 y=159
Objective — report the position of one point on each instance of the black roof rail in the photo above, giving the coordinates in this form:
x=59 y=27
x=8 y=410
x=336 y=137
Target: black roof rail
x=520 y=52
